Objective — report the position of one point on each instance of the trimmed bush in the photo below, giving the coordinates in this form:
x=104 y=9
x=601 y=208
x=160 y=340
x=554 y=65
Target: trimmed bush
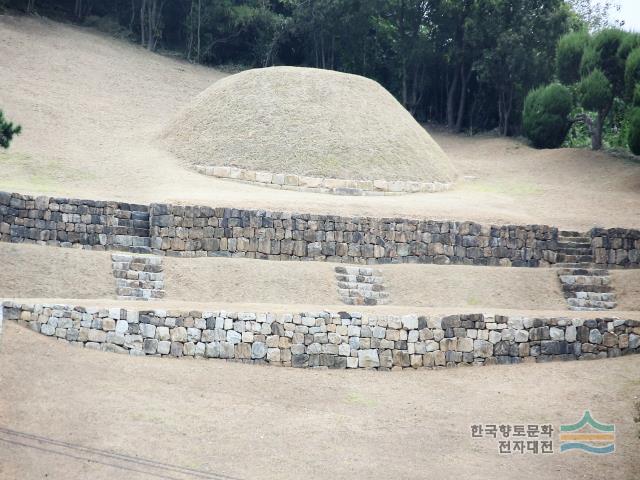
x=546 y=115
x=595 y=92
x=606 y=44
x=569 y=56
x=632 y=73
x=634 y=131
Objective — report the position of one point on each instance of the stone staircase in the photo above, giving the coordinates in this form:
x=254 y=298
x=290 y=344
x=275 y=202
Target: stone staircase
x=584 y=286
x=138 y=277
x=360 y=286
x=132 y=230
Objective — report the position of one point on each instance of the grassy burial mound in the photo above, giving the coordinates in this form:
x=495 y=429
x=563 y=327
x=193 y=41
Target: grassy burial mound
x=306 y=121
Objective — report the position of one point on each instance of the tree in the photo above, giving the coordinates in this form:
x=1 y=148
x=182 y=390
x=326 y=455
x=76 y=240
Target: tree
x=596 y=95
x=546 y=115
x=597 y=13
x=632 y=73
x=524 y=36
x=7 y=131
x=569 y=55
x=633 y=138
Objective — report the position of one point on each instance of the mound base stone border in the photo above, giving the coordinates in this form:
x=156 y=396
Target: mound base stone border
x=335 y=186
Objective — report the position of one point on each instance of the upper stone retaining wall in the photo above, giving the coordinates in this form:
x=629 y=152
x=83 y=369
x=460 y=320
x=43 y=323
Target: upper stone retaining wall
x=192 y=231
x=333 y=339
x=195 y=231
x=616 y=247
x=69 y=222
x=336 y=186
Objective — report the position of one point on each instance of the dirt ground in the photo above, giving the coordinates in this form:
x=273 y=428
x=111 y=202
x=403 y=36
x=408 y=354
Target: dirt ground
x=90 y=107
x=38 y=271
x=164 y=418
x=33 y=271
x=626 y=284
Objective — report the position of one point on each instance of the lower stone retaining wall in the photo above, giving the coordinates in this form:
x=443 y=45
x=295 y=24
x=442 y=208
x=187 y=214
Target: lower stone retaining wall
x=336 y=186
x=333 y=339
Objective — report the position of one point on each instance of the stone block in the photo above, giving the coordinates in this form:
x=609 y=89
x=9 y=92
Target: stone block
x=368 y=358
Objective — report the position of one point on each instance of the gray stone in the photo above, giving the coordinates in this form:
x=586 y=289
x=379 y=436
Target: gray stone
x=595 y=336
x=556 y=333
x=150 y=346
x=259 y=350
x=482 y=348
x=164 y=347
x=368 y=358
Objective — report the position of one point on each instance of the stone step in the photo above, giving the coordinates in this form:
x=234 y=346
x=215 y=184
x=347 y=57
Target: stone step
x=570 y=290
x=373 y=287
x=575 y=265
x=354 y=293
x=585 y=309
x=596 y=304
x=363 y=301
x=598 y=296
x=585 y=279
x=359 y=279
x=574 y=244
x=138 y=277
x=567 y=258
x=142 y=250
x=583 y=271
x=574 y=250
x=363 y=271
x=569 y=233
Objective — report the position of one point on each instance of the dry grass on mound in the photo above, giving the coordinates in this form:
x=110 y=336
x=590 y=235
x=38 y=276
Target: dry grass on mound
x=307 y=122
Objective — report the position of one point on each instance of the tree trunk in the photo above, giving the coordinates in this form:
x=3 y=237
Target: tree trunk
x=143 y=22
x=596 y=131
x=403 y=73
x=450 y=100
x=151 y=34
x=464 y=80
x=505 y=105
x=133 y=15
x=198 y=35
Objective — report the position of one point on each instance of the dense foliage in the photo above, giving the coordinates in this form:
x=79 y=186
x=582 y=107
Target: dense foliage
x=545 y=118
x=464 y=63
x=7 y=131
x=603 y=71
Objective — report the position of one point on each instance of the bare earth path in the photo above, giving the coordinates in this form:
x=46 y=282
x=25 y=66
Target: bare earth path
x=92 y=106
x=247 y=421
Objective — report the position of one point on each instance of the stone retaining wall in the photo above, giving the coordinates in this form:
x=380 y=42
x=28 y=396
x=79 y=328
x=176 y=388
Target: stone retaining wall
x=616 y=247
x=336 y=186
x=334 y=340
x=199 y=231
x=193 y=231
x=71 y=222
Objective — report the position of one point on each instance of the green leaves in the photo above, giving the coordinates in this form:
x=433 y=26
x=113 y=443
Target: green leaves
x=596 y=92
x=546 y=115
x=569 y=55
x=632 y=73
x=633 y=138
x=7 y=131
